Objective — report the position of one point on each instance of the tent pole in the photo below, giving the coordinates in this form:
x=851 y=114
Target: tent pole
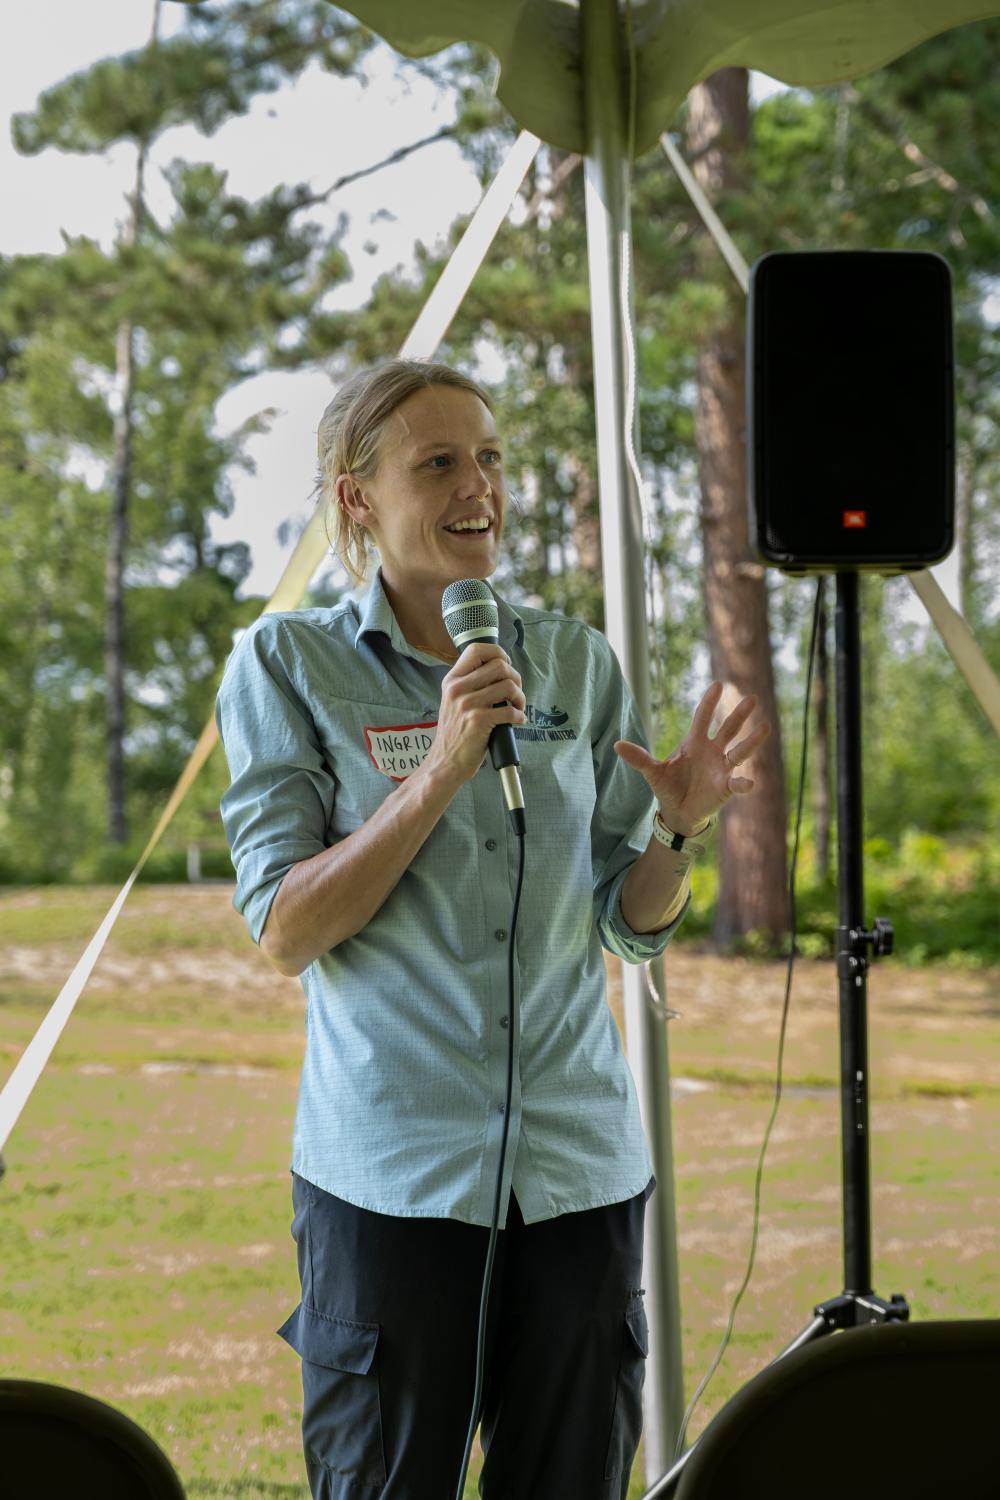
x=605 y=95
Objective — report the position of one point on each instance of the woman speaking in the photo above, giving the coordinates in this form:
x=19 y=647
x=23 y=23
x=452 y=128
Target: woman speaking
x=375 y=858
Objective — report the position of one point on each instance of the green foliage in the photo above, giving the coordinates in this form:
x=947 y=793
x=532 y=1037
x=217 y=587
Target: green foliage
x=941 y=896
x=203 y=76
x=937 y=768
x=223 y=287
x=208 y=295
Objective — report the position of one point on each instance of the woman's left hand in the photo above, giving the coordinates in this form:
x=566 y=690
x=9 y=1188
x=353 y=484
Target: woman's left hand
x=697 y=780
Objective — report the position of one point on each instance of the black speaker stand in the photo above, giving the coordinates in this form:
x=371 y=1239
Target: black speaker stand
x=858 y=1303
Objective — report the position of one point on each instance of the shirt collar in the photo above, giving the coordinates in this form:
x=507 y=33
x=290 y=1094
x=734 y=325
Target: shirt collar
x=375 y=613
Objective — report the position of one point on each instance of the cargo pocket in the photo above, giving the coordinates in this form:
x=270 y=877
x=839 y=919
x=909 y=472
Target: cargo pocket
x=626 y=1424
x=341 y=1414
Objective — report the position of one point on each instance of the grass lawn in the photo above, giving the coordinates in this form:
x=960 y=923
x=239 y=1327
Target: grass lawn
x=145 y=1253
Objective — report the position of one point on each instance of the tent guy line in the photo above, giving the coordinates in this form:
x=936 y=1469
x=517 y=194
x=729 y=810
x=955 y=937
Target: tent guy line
x=425 y=336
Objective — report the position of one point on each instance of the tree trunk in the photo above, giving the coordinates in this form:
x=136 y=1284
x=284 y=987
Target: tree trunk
x=114 y=591
x=586 y=518
x=752 y=851
x=114 y=570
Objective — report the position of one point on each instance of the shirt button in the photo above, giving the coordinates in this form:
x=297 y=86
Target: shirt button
x=500 y=934
x=504 y=1022
x=491 y=843
x=501 y=1109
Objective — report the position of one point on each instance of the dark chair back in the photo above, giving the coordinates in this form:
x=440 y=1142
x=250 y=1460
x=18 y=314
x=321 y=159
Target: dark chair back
x=55 y=1442
x=908 y=1410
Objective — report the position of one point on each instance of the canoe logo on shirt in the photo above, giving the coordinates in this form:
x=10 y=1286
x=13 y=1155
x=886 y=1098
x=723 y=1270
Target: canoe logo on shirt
x=545 y=725
x=397 y=750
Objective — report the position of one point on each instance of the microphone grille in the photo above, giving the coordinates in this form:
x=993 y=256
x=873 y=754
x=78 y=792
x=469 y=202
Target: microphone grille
x=470 y=611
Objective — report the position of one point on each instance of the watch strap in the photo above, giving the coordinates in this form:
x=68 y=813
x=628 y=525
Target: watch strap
x=689 y=842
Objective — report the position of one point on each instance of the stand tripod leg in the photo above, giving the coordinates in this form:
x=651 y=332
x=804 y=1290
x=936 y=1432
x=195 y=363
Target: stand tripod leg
x=814 y=1330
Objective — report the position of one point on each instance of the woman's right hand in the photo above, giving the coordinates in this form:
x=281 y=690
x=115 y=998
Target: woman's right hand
x=480 y=691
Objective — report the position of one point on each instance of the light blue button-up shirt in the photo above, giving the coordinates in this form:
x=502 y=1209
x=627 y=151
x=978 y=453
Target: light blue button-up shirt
x=322 y=713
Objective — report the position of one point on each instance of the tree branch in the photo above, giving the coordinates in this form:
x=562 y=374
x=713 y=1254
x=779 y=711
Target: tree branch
x=446 y=132
x=913 y=153
x=565 y=167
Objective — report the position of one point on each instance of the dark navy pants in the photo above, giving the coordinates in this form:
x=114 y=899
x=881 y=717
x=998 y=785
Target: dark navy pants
x=386 y=1331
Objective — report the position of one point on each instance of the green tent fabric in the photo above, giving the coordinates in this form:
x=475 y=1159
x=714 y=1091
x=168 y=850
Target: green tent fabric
x=678 y=43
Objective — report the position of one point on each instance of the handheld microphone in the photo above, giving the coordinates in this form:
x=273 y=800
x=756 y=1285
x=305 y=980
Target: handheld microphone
x=470 y=614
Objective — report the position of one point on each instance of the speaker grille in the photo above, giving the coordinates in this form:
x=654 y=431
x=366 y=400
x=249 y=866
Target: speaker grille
x=470 y=611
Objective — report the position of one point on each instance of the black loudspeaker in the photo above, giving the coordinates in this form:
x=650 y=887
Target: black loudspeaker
x=850 y=410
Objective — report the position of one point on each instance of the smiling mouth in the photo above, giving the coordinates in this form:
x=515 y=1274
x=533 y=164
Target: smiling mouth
x=483 y=531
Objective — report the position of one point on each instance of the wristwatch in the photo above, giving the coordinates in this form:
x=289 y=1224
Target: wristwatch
x=687 y=841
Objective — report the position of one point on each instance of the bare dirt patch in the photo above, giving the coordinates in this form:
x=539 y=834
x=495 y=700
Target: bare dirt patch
x=182 y=953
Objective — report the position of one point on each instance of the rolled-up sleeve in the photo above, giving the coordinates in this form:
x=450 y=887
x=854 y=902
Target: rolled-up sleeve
x=278 y=806
x=623 y=813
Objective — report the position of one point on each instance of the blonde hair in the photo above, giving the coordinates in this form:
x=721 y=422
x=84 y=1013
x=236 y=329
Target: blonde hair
x=350 y=432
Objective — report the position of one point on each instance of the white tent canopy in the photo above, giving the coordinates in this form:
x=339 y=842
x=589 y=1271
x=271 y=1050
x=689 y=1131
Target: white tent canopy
x=678 y=43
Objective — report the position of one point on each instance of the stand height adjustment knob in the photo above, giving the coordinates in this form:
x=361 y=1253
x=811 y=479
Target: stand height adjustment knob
x=899 y=1308
x=883 y=937
x=854 y=942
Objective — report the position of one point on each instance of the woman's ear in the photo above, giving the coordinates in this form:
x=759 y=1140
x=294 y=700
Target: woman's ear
x=351 y=499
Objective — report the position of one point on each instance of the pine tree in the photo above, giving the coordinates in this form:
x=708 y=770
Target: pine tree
x=155 y=332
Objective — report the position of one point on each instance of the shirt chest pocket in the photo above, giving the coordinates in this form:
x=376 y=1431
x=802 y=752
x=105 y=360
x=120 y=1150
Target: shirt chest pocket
x=557 y=775
x=371 y=748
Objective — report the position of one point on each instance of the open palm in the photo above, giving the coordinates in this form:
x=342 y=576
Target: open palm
x=697 y=780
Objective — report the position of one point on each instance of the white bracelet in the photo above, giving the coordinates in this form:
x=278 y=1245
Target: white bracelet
x=682 y=842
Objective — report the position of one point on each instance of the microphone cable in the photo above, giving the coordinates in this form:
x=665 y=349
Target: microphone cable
x=491 y=1249
x=781 y=1038
x=470 y=614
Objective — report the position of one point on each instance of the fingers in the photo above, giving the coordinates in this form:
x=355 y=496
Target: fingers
x=741 y=752
x=634 y=755
x=477 y=653
x=736 y=719
x=706 y=708
x=475 y=662
x=733 y=722
x=477 y=656
x=487 y=702
x=481 y=666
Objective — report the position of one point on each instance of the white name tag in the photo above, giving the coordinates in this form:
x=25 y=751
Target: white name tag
x=397 y=750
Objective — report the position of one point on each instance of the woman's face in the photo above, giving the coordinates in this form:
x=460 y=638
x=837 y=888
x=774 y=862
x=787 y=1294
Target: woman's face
x=439 y=462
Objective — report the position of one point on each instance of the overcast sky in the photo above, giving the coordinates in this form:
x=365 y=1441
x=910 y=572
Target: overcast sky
x=298 y=134
x=288 y=135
